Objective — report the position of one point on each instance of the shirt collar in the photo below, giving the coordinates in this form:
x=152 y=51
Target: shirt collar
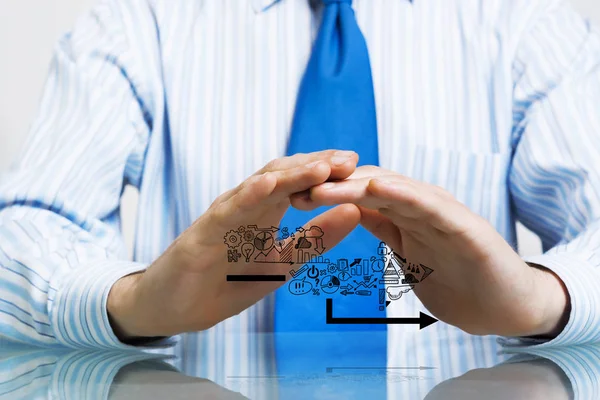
x=264 y=5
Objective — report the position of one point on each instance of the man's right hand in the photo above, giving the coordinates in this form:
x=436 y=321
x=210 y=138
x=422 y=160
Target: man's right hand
x=186 y=289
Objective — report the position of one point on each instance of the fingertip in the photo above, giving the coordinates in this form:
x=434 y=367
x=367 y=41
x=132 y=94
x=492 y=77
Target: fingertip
x=349 y=209
x=318 y=193
x=367 y=213
x=375 y=185
x=349 y=212
x=302 y=201
x=343 y=164
x=382 y=188
x=257 y=189
x=315 y=164
x=338 y=192
x=320 y=169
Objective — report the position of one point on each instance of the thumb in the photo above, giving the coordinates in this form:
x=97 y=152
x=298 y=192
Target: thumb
x=381 y=227
x=337 y=223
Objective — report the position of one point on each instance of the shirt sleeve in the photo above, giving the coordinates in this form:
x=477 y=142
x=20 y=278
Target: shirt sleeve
x=555 y=176
x=61 y=248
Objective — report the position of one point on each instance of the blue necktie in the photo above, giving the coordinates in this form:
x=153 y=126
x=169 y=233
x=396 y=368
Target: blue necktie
x=335 y=109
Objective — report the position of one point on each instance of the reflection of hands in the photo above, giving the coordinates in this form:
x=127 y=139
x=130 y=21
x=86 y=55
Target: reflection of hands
x=480 y=284
x=534 y=380
x=146 y=380
x=186 y=288
x=60 y=374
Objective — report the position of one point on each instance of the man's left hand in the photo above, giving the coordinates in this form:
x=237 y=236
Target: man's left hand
x=480 y=283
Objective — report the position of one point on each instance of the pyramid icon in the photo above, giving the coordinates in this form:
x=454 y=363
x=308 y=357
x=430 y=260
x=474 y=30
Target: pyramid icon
x=390 y=275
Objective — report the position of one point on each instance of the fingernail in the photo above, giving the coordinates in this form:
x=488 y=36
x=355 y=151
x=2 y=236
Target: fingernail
x=388 y=184
x=327 y=185
x=344 y=153
x=312 y=164
x=339 y=160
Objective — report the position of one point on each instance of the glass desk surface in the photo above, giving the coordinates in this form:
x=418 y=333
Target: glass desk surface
x=305 y=366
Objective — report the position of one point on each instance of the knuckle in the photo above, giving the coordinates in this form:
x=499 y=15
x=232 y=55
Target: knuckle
x=273 y=165
x=220 y=213
x=189 y=245
x=447 y=196
x=252 y=181
x=267 y=176
x=413 y=200
x=221 y=198
x=441 y=191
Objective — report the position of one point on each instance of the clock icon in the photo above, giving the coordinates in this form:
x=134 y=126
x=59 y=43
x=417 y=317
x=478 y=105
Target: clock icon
x=263 y=241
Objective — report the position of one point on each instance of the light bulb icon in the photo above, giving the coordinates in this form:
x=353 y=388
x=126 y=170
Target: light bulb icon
x=247 y=250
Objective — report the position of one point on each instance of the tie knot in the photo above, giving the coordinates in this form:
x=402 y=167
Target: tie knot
x=328 y=2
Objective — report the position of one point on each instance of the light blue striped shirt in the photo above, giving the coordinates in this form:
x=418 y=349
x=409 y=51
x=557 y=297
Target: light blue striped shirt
x=495 y=100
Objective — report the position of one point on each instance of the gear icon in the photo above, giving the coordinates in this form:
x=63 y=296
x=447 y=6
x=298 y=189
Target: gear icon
x=332 y=268
x=232 y=239
x=248 y=236
x=241 y=229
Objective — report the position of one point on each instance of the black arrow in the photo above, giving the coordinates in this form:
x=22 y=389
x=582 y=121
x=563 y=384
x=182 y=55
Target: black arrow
x=423 y=319
x=255 y=278
x=356 y=262
x=274 y=262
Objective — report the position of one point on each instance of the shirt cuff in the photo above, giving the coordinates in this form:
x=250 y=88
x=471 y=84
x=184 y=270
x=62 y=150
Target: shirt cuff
x=77 y=308
x=582 y=279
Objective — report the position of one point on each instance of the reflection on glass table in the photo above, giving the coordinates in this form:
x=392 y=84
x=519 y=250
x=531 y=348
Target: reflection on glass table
x=325 y=366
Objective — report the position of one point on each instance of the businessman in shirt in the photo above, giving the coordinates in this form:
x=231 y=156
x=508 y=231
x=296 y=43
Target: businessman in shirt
x=471 y=115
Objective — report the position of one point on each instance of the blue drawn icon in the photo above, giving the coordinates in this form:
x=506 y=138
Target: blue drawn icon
x=299 y=287
x=330 y=284
x=382 y=249
x=377 y=264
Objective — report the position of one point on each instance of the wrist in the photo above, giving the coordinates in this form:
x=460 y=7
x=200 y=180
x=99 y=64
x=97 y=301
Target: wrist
x=123 y=311
x=554 y=303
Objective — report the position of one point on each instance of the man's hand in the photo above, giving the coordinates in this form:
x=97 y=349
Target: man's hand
x=480 y=284
x=186 y=288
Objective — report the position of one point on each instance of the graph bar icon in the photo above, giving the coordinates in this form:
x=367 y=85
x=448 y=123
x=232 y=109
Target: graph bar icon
x=304 y=257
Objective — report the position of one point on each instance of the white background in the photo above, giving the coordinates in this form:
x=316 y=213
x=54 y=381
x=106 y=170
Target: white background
x=28 y=31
